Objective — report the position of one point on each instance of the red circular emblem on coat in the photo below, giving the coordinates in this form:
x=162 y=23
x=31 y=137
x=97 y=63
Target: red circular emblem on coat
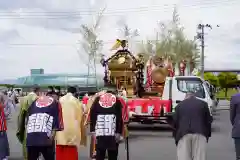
x=107 y=100
x=44 y=101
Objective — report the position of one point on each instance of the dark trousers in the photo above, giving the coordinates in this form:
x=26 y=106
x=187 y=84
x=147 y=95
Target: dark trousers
x=4 y=145
x=35 y=151
x=112 y=154
x=237 y=148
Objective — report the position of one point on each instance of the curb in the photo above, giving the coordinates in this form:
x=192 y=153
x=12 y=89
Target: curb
x=223 y=108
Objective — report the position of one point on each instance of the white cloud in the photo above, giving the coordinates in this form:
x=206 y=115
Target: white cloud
x=47 y=38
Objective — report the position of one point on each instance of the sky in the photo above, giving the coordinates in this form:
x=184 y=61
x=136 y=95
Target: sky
x=46 y=34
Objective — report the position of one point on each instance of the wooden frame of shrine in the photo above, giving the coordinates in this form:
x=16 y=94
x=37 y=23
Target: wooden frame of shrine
x=124 y=70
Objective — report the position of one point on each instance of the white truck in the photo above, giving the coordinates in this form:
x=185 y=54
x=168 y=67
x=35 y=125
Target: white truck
x=176 y=87
x=160 y=109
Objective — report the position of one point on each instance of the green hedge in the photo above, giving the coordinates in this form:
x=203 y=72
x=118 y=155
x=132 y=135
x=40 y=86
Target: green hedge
x=230 y=92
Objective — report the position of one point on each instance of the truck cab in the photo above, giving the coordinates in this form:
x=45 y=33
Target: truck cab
x=176 y=88
x=212 y=91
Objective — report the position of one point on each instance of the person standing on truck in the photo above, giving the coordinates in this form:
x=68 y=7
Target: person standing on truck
x=106 y=124
x=124 y=91
x=235 y=119
x=192 y=128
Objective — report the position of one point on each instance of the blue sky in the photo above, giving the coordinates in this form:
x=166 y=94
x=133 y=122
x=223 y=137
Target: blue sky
x=44 y=34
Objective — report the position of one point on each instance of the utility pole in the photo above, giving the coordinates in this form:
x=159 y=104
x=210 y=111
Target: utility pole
x=93 y=45
x=92 y=71
x=200 y=36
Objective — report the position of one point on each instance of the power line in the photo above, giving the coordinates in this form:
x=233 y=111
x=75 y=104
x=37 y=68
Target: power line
x=77 y=15
x=70 y=44
x=76 y=44
x=62 y=44
x=132 y=9
x=36 y=44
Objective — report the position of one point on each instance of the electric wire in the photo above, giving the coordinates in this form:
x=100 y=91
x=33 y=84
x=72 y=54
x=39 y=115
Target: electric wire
x=79 y=14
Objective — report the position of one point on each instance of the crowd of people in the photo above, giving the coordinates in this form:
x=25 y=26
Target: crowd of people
x=53 y=126
x=8 y=102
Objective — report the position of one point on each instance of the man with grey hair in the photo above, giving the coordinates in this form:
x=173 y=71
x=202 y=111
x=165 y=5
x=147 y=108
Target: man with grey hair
x=192 y=128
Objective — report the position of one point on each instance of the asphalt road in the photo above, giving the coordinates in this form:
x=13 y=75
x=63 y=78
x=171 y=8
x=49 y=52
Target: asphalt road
x=155 y=142
x=223 y=104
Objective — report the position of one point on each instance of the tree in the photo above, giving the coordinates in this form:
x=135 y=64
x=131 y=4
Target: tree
x=127 y=32
x=92 y=46
x=211 y=78
x=227 y=80
x=146 y=50
x=90 y=42
x=174 y=43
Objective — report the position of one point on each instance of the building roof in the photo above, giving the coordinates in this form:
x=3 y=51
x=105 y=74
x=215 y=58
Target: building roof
x=61 y=79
